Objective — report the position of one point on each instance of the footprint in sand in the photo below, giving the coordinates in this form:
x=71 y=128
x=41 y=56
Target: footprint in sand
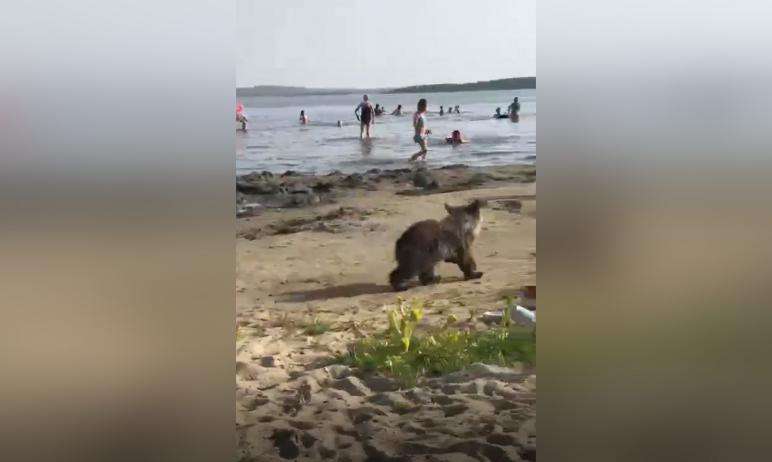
x=307 y=440
x=285 y=441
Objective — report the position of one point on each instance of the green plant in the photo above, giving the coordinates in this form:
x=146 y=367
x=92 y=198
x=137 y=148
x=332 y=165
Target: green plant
x=315 y=327
x=407 y=356
x=506 y=320
x=403 y=319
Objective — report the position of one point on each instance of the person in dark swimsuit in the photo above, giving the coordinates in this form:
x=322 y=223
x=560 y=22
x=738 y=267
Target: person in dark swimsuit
x=514 y=110
x=366 y=116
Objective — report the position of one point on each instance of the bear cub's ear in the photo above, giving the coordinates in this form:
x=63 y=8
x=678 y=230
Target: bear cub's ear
x=476 y=205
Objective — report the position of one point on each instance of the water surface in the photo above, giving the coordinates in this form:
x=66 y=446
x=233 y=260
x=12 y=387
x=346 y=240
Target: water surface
x=276 y=142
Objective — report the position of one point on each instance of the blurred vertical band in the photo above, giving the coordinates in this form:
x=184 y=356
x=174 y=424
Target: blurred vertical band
x=117 y=267
x=654 y=230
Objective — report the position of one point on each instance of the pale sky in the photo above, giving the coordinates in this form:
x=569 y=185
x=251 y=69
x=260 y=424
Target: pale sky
x=383 y=43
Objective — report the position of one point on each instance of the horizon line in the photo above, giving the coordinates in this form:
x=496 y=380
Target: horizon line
x=384 y=88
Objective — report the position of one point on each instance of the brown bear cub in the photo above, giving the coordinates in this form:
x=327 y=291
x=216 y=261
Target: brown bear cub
x=429 y=242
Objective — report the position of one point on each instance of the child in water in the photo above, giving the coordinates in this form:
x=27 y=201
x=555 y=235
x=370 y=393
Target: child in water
x=421 y=132
x=303 y=118
x=455 y=138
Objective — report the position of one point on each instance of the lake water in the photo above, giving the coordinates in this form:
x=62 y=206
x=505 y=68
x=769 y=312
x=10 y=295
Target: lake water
x=276 y=141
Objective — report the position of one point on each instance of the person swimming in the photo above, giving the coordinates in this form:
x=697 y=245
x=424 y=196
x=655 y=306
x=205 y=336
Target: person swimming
x=499 y=115
x=367 y=116
x=442 y=111
x=303 y=118
x=421 y=132
x=398 y=111
x=455 y=138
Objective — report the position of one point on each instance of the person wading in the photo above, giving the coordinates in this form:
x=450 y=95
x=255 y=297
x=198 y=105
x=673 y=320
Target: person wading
x=366 y=116
x=421 y=132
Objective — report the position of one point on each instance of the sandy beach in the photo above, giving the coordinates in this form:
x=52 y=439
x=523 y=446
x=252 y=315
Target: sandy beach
x=313 y=255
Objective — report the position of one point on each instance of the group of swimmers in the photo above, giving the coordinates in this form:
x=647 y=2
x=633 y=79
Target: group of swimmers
x=365 y=113
x=450 y=110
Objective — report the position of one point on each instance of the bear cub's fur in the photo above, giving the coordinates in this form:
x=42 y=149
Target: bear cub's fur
x=428 y=242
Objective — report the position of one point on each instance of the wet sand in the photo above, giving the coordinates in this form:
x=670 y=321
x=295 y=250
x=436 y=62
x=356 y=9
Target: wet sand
x=323 y=258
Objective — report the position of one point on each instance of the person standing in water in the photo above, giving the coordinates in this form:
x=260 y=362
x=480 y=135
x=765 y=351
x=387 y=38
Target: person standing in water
x=458 y=109
x=419 y=124
x=365 y=115
x=442 y=111
x=514 y=109
x=303 y=118
x=242 y=119
x=398 y=111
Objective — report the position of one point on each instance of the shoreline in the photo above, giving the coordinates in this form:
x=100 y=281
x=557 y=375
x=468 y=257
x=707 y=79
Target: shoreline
x=259 y=191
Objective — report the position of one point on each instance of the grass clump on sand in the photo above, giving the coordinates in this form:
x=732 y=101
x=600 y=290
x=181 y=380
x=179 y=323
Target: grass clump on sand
x=407 y=356
x=315 y=327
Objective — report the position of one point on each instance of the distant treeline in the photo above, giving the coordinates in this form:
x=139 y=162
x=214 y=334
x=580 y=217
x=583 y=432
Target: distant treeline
x=278 y=90
x=516 y=83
